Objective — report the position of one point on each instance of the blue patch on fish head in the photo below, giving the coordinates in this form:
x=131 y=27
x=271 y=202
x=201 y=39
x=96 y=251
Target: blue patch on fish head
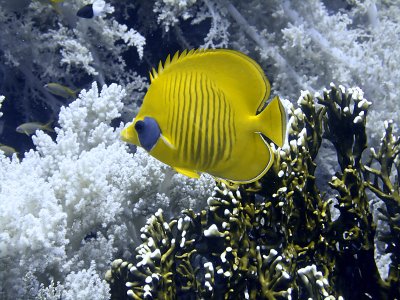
x=148 y=132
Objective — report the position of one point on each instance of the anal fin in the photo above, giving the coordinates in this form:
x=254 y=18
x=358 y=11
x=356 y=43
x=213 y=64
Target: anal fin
x=187 y=172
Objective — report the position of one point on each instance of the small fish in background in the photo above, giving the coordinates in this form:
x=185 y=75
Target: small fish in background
x=54 y=3
x=51 y=1
x=91 y=10
x=60 y=90
x=31 y=127
x=8 y=150
x=205 y=111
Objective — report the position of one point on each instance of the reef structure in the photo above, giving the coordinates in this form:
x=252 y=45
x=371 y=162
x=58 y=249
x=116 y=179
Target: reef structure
x=284 y=238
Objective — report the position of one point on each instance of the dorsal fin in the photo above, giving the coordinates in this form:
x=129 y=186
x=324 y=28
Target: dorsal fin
x=168 y=62
x=239 y=76
x=160 y=68
x=153 y=74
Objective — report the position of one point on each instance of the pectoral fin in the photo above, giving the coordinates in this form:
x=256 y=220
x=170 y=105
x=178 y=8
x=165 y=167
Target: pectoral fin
x=188 y=173
x=167 y=142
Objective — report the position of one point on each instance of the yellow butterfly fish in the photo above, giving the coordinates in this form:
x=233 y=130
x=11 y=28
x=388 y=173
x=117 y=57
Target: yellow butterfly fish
x=205 y=112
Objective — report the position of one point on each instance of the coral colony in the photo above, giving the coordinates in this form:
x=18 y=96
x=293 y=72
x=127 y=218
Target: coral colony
x=282 y=241
x=83 y=215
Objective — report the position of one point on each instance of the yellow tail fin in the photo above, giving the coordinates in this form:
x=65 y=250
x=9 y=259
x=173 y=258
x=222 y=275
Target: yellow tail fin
x=272 y=121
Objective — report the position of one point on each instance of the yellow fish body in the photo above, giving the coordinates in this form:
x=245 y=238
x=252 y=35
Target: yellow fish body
x=204 y=112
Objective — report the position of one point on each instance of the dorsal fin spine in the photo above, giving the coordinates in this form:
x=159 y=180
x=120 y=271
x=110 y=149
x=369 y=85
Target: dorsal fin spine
x=175 y=57
x=169 y=61
x=160 y=67
x=183 y=54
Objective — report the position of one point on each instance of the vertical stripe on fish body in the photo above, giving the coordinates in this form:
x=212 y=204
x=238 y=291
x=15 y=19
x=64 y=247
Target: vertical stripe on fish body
x=199 y=119
x=207 y=106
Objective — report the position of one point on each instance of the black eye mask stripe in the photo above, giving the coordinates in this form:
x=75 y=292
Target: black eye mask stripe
x=148 y=132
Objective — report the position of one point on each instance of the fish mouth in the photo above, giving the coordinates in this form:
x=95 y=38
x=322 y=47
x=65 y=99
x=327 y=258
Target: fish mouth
x=125 y=135
x=128 y=134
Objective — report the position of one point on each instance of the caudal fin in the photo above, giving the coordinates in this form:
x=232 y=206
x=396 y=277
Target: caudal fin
x=48 y=126
x=273 y=121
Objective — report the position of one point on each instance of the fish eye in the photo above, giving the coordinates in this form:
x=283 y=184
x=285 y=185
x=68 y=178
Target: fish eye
x=139 y=126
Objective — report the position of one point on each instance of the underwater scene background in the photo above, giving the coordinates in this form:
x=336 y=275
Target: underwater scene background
x=83 y=215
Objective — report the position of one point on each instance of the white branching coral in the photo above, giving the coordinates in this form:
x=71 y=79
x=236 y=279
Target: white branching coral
x=170 y=11
x=218 y=35
x=80 y=198
x=84 y=284
x=46 y=42
x=74 y=53
x=79 y=46
x=32 y=224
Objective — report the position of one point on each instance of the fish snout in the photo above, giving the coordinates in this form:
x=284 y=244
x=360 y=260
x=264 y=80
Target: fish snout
x=129 y=135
